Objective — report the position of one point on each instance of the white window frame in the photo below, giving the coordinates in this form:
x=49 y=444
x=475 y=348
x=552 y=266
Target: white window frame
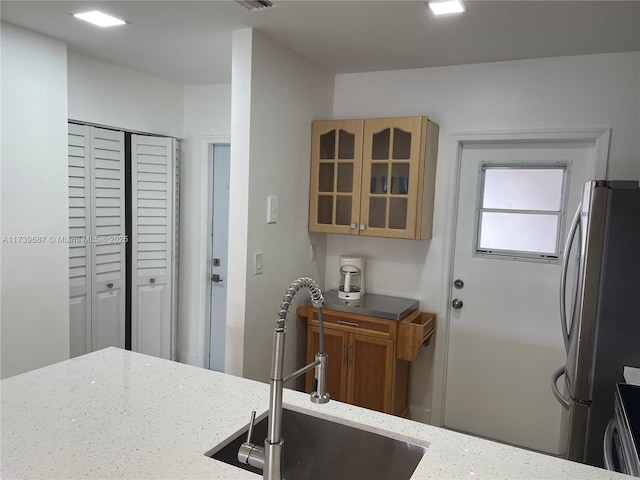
x=518 y=255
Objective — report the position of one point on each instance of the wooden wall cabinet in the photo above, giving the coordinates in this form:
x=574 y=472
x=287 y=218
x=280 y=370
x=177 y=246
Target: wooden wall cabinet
x=366 y=365
x=373 y=177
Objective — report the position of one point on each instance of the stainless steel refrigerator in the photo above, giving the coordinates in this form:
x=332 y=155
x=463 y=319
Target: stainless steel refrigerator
x=600 y=311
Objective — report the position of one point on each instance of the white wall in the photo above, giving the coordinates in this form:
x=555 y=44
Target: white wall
x=567 y=92
x=286 y=93
x=207 y=117
x=107 y=94
x=35 y=286
x=241 y=60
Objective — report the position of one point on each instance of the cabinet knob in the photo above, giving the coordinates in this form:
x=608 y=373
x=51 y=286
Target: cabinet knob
x=109 y=285
x=362 y=226
x=353 y=225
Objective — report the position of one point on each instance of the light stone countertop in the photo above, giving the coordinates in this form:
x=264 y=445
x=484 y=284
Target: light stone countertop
x=115 y=414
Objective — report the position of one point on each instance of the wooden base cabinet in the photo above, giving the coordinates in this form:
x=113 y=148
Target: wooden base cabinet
x=363 y=364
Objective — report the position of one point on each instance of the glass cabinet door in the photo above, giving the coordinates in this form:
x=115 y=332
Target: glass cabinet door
x=393 y=150
x=336 y=153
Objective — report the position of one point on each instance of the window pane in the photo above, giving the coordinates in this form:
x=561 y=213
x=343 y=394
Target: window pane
x=378 y=212
x=523 y=188
x=345 y=177
x=380 y=145
x=522 y=232
x=325 y=209
x=325 y=177
x=401 y=144
x=346 y=145
x=398 y=213
x=343 y=211
x=328 y=145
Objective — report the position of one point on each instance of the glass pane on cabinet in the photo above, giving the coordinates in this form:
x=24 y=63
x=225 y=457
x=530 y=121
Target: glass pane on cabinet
x=346 y=145
x=343 y=210
x=398 y=213
x=400 y=178
x=380 y=145
x=521 y=232
x=377 y=212
x=345 y=177
x=328 y=145
x=379 y=178
x=325 y=209
x=401 y=144
x=523 y=188
x=325 y=177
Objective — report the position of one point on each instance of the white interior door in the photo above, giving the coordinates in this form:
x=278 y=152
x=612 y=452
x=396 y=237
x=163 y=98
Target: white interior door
x=220 y=234
x=108 y=244
x=505 y=340
x=176 y=248
x=152 y=170
x=80 y=265
x=96 y=239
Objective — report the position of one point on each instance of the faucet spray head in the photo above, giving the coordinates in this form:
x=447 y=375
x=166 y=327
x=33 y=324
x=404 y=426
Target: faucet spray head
x=320 y=394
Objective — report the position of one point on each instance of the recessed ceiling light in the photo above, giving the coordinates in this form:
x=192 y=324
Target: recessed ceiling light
x=99 y=18
x=444 y=7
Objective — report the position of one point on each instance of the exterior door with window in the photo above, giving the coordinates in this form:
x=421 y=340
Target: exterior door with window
x=504 y=339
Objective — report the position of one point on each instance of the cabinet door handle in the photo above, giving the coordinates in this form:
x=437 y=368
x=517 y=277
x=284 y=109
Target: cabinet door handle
x=344 y=347
x=349 y=360
x=353 y=225
x=362 y=226
x=351 y=324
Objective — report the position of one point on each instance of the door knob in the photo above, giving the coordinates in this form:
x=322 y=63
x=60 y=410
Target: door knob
x=456 y=303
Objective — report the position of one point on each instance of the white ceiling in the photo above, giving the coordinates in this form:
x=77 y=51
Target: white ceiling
x=189 y=42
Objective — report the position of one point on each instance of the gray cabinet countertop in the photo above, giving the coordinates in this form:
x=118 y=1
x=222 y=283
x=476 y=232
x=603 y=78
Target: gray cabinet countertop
x=381 y=306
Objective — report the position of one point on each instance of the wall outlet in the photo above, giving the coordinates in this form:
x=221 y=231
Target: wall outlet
x=312 y=252
x=257 y=263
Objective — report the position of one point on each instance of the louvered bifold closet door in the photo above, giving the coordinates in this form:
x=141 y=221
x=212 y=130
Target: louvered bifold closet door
x=152 y=223
x=79 y=249
x=176 y=246
x=108 y=206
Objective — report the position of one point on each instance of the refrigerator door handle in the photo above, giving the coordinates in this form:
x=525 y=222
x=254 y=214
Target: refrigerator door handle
x=608 y=445
x=573 y=229
x=554 y=387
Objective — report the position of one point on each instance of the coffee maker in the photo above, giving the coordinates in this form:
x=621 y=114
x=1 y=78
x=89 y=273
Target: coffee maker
x=351 y=278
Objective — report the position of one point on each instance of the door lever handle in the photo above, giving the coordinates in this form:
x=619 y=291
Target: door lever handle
x=215 y=278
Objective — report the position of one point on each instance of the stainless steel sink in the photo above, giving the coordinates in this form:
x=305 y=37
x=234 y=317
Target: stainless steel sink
x=320 y=449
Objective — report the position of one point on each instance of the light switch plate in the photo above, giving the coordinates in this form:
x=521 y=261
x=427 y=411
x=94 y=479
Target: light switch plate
x=257 y=263
x=272 y=209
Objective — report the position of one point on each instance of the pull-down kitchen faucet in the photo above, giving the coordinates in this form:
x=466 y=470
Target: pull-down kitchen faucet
x=269 y=457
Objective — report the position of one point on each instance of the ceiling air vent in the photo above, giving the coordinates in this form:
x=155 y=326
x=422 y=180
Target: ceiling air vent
x=254 y=5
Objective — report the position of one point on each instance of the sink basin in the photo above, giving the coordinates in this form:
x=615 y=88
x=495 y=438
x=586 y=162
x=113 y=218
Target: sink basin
x=320 y=449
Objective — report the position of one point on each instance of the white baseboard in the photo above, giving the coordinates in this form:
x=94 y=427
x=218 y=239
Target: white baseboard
x=190 y=359
x=422 y=415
